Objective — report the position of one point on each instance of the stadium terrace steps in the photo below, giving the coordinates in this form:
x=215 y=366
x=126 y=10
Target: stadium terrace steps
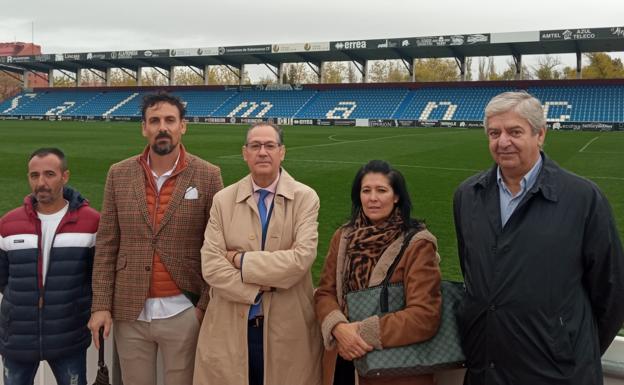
x=15 y=102
x=267 y=104
x=118 y=105
x=400 y=108
x=354 y=104
x=578 y=103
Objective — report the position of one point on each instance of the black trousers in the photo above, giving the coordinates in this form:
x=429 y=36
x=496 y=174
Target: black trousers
x=256 y=355
x=344 y=373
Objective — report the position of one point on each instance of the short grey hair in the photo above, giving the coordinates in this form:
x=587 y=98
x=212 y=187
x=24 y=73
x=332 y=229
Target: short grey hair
x=520 y=102
x=278 y=130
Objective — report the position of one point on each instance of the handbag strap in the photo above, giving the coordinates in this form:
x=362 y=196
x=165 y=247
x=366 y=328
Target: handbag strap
x=383 y=297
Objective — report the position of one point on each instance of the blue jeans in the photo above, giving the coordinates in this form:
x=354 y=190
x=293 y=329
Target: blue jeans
x=67 y=370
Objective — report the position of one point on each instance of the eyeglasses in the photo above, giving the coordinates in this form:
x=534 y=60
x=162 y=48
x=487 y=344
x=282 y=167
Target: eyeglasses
x=268 y=146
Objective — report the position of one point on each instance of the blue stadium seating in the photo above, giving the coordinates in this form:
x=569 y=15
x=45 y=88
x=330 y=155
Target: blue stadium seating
x=202 y=103
x=354 y=104
x=61 y=102
x=578 y=103
x=264 y=104
x=448 y=103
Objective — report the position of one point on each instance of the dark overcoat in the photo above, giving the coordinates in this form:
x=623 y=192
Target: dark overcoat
x=544 y=292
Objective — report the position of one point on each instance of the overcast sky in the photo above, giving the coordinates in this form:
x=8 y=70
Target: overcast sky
x=63 y=26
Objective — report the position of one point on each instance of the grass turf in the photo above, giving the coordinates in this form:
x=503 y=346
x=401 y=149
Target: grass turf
x=433 y=160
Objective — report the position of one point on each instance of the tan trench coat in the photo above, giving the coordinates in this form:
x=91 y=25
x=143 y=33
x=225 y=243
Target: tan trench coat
x=292 y=339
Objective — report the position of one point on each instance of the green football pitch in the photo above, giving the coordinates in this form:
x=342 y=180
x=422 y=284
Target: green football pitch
x=433 y=160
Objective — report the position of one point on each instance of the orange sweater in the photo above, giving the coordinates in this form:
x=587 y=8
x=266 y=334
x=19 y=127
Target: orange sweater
x=161 y=284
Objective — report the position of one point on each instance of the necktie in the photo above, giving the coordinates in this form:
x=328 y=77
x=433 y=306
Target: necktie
x=262 y=210
x=254 y=310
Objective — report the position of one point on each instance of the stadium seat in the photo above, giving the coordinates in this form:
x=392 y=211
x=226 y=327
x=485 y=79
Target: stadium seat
x=577 y=103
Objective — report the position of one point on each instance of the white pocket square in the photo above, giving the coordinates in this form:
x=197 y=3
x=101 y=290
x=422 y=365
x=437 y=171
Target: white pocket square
x=191 y=193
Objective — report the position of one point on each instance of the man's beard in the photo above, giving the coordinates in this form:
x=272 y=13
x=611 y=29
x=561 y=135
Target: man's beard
x=164 y=148
x=47 y=196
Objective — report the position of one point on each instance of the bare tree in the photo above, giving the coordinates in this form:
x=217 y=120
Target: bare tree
x=335 y=72
x=436 y=70
x=546 y=68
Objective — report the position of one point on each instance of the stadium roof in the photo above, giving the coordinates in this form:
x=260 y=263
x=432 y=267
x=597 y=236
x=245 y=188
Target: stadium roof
x=573 y=40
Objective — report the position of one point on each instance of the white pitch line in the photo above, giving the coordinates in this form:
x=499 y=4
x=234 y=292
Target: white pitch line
x=427 y=167
x=395 y=165
x=331 y=137
x=289 y=160
x=336 y=143
x=588 y=143
x=352 y=141
x=603 y=177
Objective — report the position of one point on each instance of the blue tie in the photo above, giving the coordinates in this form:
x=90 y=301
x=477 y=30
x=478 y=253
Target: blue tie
x=254 y=310
x=262 y=210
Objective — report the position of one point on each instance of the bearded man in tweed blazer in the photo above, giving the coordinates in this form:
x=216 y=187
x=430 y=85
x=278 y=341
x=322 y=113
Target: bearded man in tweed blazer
x=147 y=275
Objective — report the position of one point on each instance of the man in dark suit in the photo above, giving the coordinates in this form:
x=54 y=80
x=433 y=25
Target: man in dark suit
x=147 y=274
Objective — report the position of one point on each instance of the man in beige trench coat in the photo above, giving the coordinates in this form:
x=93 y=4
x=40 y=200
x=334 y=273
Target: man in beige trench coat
x=259 y=246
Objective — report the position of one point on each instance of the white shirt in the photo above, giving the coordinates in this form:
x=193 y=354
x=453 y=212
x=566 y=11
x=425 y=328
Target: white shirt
x=49 y=224
x=163 y=307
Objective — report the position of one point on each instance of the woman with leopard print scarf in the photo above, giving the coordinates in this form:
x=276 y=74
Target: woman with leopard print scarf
x=359 y=256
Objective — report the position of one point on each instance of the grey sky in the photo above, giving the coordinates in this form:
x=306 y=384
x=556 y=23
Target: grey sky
x=80 y=26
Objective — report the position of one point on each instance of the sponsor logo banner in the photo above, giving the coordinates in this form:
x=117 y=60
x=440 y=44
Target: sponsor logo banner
x=449 y=40
x=387 y=43
x=406 y=123
x=300 y=47
x=124 y=54
x=98 y=56
x=278 y=87
x=347 y=45
x=617 y=32
x=469 y=124
x=232 y=120
x=428 y=123
x=304 y=122
x=448 y=123
x=19 y=59
x=342 y=122
x=350 y=45
x=324 y=122
x=586 y=126
x=582 y=34
x=73 y=56
x=244 y=50
x=154 y=53
x=126 y=118
x=478 y=38
x=215 y=120
x=202 y=51
x=382 y=123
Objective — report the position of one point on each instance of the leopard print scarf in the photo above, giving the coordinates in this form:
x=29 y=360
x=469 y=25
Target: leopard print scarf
x=365 y=246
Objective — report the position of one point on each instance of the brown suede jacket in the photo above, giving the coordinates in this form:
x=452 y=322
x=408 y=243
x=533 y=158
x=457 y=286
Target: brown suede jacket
x=420 y=273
